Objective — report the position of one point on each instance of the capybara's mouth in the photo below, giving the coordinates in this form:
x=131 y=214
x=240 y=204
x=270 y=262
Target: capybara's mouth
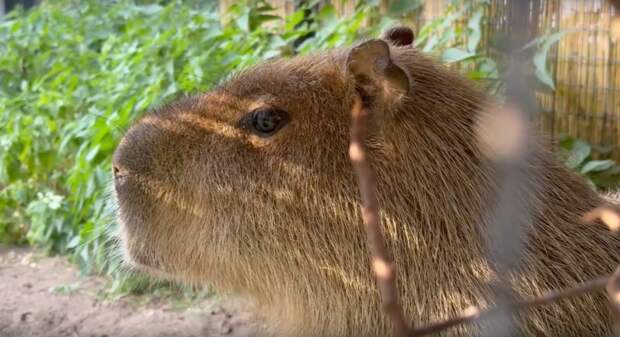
x=138 y=256
x=134 y=263
x=156 y=273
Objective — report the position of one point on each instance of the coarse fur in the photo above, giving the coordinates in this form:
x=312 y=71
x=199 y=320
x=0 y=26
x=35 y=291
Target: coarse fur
x=277 y=219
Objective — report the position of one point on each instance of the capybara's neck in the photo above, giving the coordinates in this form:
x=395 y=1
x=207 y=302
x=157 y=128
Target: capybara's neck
x=437 y=191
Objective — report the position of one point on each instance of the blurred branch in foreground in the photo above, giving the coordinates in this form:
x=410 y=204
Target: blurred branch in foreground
x=382 y=265
x=613 y=291
x=473 y=314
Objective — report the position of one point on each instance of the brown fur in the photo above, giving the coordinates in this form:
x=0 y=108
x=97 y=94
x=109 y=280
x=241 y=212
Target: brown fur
x=277 y=219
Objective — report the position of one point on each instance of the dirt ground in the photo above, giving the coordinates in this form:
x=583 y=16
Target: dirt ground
x=45 y=297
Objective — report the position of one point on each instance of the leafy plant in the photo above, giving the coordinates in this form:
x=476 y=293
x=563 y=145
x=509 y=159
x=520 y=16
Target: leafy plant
x=600 y=173
x=542 y=45
x=455 y=38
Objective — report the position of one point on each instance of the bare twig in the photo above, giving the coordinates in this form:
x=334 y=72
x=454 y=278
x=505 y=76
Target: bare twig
x=613 y=290
x=473 y=314
x=607 y=215
x=383 y=266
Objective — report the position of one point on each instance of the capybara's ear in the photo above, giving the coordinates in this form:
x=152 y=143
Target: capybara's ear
x=376 y=76
x=399 y=36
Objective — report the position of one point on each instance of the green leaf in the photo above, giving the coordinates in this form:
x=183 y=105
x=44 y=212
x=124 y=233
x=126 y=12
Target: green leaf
x=244 y=21
x=540 y=58
x=475 y=35
x=597 y=166
x=579 y=152
x=150 y=9
x=327 y=15
x=74 y=242
x=455 y=55
x=258 y=20
x=543 y=75
x=294 y=19
x=591 y=184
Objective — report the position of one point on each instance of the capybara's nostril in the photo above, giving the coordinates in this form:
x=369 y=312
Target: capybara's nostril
x=119 y=174
x=119 y=171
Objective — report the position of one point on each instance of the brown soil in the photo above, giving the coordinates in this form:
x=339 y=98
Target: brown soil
x=45 y=297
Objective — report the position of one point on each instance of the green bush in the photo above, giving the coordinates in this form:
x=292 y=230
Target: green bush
x=600 y=173
x=74 y=74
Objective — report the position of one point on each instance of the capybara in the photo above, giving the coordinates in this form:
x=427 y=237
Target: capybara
x=249 y=188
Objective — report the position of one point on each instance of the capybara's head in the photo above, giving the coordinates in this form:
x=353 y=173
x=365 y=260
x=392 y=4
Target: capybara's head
x=211 y=184
x=249 y=188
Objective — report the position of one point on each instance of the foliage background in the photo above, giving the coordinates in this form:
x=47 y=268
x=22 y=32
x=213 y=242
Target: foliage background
x=74 y=74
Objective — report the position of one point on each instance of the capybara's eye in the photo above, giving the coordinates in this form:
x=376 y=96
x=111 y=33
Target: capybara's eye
x=265 y=121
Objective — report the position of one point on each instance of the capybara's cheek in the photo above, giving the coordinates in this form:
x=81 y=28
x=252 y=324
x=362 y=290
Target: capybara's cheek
x=136 y=249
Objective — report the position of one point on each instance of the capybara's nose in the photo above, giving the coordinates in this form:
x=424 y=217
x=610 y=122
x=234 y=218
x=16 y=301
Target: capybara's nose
x=119 y=174
x=118 y=171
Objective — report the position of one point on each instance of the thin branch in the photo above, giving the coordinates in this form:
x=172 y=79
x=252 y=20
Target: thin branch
x=613 y=290
x=605 y=214
x=474 y=315
x=383 y=266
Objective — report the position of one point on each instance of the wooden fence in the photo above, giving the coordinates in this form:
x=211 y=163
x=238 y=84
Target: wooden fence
x=586 y=102
x=584 y=63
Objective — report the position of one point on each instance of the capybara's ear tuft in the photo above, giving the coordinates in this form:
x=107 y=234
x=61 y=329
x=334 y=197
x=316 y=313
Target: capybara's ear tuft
x=399 y=36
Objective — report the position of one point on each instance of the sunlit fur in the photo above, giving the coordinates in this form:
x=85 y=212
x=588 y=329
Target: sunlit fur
x=278 y=219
